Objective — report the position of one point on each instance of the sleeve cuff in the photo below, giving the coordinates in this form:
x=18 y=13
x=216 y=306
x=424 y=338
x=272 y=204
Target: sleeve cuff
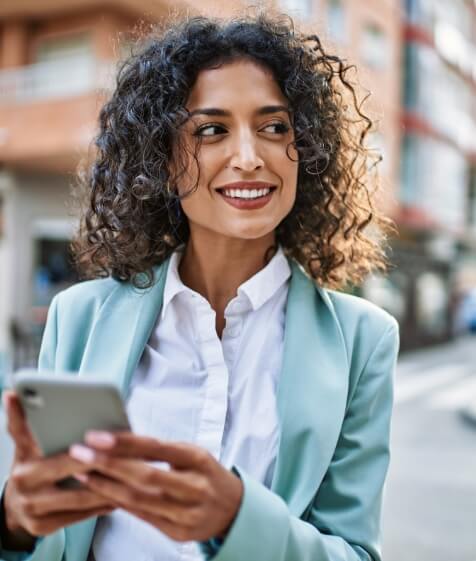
x=49 y=548
x=7 y=555
x=261 y=520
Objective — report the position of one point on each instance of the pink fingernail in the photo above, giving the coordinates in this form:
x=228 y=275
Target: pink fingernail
x=81 y=453
x=81 y=477
x=101 y=439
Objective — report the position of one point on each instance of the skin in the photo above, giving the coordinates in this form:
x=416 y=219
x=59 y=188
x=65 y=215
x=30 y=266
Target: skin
x=244 y=146
x=198 y=498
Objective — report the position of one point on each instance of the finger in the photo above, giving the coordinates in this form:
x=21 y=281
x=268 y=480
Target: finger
x=36 y=473
x=179 y=454
x=174 y=530
x=154 y=502
x=44 y=525
x=26 y=446
x=185 y=486
x=53 y=500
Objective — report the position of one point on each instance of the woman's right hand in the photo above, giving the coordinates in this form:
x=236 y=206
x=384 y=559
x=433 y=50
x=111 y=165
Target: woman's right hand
x=33 y=505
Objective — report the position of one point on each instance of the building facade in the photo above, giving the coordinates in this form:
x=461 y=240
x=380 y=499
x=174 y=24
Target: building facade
x=437 y=247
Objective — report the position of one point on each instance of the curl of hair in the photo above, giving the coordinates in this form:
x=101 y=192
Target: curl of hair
x=133 y=221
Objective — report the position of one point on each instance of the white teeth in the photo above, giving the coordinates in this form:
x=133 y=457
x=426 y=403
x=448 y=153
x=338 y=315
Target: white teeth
x=246 y=193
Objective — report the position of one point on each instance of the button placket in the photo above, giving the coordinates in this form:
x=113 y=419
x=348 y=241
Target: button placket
x=233 y=326
x=212 y=419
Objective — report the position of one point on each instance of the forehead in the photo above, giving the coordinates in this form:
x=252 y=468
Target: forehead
x=235 y=85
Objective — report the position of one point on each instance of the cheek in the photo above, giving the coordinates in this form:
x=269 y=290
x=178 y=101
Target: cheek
x=289 y=174
x=199 y=173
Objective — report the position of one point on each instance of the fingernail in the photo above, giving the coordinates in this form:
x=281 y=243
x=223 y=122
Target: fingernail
x=6 y=397
x=101 y=439
x=81 y=477
x=81 y=453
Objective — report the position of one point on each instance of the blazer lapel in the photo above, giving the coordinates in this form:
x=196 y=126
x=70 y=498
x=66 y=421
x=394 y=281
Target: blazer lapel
x=122 y=329
x=312 y=392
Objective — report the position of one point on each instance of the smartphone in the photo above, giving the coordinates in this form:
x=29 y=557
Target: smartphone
x=61 y=408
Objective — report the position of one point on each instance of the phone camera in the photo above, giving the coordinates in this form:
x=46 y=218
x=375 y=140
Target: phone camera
x=31 y=398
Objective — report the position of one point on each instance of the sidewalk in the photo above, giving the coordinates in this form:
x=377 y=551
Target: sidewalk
x=460 y=349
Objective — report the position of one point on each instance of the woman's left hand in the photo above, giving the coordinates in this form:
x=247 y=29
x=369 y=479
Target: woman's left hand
x=197 y=499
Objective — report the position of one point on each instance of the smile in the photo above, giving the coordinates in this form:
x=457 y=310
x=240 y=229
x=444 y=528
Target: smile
x=247 y=199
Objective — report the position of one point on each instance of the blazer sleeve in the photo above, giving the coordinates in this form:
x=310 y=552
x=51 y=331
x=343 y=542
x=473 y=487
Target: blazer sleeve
x=343 y=521
x=51 y=547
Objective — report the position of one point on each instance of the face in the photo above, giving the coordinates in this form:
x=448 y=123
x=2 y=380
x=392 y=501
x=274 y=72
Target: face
x=247 y=182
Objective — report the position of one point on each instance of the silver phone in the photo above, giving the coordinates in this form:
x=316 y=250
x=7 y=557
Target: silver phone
x=61 y=408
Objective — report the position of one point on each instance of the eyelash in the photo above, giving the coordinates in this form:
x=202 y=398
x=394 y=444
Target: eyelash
x=282 y=128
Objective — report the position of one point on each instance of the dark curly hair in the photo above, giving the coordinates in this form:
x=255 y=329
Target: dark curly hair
x=132 y=220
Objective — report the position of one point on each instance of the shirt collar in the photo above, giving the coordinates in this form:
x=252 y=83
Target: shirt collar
x=265 y=283
x=257 y=289
x=173 y=282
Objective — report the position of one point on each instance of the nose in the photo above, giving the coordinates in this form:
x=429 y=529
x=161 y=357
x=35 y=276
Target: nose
x=245 y=154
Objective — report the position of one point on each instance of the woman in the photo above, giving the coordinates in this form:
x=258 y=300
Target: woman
x=230 y=197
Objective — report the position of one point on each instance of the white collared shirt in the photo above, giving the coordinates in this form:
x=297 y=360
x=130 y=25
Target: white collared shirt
x=218 y=394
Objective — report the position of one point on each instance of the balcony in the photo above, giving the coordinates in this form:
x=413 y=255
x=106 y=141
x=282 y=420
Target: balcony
x=54 y=79
x=48 y=111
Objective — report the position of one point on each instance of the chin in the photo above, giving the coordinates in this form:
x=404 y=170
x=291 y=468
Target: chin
x=251 y=233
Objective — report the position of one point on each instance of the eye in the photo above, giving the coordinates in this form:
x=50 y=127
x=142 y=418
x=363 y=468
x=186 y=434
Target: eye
x=279 y=128
x=209 y=130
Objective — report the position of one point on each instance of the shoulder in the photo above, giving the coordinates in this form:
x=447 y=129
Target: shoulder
x=88 y=295
x=78 y=306
x=71 y=317
x=356 y=312
x=367 y=329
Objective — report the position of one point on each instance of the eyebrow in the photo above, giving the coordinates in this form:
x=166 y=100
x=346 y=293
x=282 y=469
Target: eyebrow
x=266 y=110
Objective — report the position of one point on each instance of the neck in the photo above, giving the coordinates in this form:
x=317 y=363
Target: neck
x=216 y=267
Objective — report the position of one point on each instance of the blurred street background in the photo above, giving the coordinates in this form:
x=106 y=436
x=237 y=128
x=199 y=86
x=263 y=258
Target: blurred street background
x=417 y=58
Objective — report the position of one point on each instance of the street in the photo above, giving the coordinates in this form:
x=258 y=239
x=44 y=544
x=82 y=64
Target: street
x=430 y=500
x=430 y=505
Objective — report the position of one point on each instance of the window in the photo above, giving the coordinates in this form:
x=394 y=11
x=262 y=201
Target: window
x=53 y=272
x=428 y=167
x=453 y=47
x=409 y=170
x=76 y=46
x=64 y=66
x=336 y=20
x=410 y=76
x=300 y=8
x=374 y=46
x=447 y=108
x=421 y=13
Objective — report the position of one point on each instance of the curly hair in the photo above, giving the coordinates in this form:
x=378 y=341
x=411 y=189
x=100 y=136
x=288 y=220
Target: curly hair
x=132 y=219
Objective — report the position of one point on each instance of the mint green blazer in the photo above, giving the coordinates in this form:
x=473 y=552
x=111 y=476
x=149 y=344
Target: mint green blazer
x=335 y=397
